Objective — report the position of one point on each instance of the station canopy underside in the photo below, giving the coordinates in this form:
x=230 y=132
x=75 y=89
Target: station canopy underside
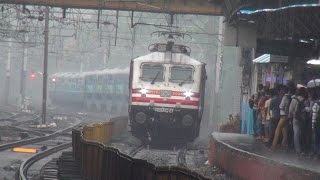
x=291 y=30
x=296 y=22
x=203 y=7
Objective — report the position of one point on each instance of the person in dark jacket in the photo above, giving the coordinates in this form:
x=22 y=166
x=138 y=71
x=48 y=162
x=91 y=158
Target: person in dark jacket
x=275 y=112
x=283 y=122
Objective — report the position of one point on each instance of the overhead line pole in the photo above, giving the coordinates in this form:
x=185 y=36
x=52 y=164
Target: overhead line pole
x=8 y=74
x=23 y=72
x=45 y=66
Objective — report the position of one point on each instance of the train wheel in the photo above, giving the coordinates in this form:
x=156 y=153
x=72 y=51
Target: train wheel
x=196 y=130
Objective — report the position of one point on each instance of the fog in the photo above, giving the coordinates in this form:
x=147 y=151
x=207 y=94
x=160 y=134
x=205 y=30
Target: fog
x=79 y=43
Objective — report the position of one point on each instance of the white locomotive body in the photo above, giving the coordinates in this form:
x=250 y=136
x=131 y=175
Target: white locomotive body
x=166 y=94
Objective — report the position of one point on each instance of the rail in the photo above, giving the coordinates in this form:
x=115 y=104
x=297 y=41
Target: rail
x=37 y=139
x=98 y=161
x=22 y=173
x=181 y=158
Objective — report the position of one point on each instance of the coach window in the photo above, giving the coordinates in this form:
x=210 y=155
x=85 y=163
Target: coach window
x=181 y=74
x=152 y=72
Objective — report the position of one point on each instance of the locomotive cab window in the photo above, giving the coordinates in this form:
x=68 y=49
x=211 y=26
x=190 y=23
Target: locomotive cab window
x=181 y=74
x=152 y=72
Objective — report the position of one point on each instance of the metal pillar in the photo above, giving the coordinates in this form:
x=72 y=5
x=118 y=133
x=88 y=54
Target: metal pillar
x=133 y=41
x=45 y=66
x=117 y=25
x=8 y=74
x=219 y=55
x=214 y=111
x=23 y=71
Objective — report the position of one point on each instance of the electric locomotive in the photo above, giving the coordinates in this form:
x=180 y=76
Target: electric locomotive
x=166 y=97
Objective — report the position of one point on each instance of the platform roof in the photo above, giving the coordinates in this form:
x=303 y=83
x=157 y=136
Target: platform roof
x=292 y=22
x=157 y=6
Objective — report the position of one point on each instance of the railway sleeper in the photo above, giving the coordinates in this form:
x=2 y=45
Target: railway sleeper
x=68 y=176
x=65 y=161
x=51 y=172
x=66 y=164
x=69 y=172
x=49 y=177
x=68 y=168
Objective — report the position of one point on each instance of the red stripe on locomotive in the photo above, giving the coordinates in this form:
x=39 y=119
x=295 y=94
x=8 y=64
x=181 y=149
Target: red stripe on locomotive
x=157 y=92
x=165 y=101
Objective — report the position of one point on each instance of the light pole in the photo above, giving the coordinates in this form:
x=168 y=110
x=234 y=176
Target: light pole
x=45 y=67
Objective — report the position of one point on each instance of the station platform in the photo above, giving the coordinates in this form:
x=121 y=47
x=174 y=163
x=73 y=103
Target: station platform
x=243 y=157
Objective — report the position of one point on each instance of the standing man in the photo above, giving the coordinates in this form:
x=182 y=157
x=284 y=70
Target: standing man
x=283 y=122
x=297 y=112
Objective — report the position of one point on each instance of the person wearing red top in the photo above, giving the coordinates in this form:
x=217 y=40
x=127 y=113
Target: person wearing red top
x=261 y=115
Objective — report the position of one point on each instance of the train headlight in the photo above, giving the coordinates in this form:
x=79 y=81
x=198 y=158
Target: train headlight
x=187 y=120
x=188 y=94
x=143 y=91
x=141 y=117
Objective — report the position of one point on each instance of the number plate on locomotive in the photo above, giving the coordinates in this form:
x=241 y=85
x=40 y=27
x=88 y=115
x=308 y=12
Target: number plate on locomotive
x=165 y=93
x=164 y=110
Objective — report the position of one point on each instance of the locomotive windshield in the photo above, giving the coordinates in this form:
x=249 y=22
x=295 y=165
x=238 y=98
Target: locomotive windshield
x=181 y=74
x=152 y=72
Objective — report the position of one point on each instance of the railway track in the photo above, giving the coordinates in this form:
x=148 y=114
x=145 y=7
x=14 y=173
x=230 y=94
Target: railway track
x=121 y=162
x=181 y=157
x=174 y=164
x=47 y=142
x=15 y=122
x=24 y=167
x=13 y=117
x=63 y=167
x=6 y=115
x=159 y=156
x=38 y=139
x=134 y=151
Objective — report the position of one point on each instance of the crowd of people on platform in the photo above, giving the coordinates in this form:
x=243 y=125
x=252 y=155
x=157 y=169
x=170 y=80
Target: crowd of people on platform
x=288 y=117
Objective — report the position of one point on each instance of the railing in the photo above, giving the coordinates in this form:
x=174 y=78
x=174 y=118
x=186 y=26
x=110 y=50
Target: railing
x=100 y=162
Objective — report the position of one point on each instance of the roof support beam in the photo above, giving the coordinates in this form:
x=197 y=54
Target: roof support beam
x=157 y=6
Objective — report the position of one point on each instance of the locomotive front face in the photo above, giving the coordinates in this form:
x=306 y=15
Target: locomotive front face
x=166 y=96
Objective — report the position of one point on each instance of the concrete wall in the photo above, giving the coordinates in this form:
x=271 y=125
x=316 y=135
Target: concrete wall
x=229 y=95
